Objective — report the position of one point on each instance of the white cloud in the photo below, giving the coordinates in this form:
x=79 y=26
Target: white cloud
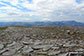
x=49 y=9
x=46 y=19
x=54 y=9
x=10 y=19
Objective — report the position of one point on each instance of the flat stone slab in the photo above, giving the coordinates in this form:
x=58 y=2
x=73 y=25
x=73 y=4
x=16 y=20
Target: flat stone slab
x=37 y=43
x=37 y=47
x=12 y=44
x=41 y=53
x=55 y=48
x=69 y=45
x=28 y=51
x=44 y=47
x=63 y=54
x=28 y=43
x=53 y=53
x=10 y=52
x=47 y=47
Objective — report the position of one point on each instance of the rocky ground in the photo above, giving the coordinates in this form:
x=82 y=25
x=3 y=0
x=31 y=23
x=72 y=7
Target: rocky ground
x=42 y=41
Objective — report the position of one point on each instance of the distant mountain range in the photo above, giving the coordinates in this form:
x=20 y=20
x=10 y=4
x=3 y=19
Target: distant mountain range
x=47 y=23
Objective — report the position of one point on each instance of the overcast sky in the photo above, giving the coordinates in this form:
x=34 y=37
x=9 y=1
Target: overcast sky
x=42 y=10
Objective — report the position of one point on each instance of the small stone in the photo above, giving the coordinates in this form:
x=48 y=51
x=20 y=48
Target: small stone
x=34 y=35
x=1 y=46
x=68 y=31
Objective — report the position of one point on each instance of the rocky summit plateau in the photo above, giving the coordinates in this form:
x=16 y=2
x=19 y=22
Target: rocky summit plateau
x=42 y=41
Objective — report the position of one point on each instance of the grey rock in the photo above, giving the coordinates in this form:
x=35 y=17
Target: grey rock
x=47 y=47
x=27 y=43
x=1 y=46
x=76 y=53
x=53 y=53
x=2 y=51
x=34 y=35
x=28 y=50
x=12 y=44
x=10 y=52
x=68 y=31
x=63 y=54
x=55 y=48
x=19 y=48
x=69 y=45
x=17 y=55
x=37 y=47
x=37 y=42
x=41 y=53
x=80 y=50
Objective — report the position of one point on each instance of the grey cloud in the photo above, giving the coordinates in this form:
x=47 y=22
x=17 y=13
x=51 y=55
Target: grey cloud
x=12 y=14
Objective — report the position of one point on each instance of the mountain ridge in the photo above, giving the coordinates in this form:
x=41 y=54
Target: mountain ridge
x=43 y=23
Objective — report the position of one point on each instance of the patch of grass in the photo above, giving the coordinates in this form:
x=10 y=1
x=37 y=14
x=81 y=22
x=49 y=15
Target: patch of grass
x=3 y=28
